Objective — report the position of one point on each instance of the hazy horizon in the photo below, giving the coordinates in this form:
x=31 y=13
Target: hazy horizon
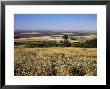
x=55 y=22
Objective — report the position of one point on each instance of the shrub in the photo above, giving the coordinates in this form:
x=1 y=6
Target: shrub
x=19 y=43
x=89 y=44
x=32 y=44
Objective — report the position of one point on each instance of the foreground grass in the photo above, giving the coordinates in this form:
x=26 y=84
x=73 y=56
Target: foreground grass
x=55 y=61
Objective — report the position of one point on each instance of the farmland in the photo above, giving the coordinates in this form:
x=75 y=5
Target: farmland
x=55 y=44
x=55 y=62
x=45 y=54
x=36 y=36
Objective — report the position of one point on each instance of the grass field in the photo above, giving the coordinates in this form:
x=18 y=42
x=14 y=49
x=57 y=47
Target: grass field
x=50 y=38
x=55 y=61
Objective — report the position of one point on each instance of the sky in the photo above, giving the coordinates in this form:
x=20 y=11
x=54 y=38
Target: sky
x=52 y=22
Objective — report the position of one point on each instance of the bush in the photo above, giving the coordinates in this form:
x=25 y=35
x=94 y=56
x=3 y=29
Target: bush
x=42 y=44
x=89 y=44
x=32 y=44
x=64 y=44
x=19 y=43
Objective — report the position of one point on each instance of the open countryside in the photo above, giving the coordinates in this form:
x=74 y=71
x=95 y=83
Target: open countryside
x=55 y=52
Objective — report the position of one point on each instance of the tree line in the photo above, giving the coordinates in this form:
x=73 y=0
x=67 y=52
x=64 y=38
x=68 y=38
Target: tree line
x=34 y=44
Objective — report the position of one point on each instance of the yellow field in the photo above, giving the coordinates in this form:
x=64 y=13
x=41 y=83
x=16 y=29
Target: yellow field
x=42 y=38
x=67 y=61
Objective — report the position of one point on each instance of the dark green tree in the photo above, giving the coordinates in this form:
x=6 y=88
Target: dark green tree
x=65 y=37
x=66 y=43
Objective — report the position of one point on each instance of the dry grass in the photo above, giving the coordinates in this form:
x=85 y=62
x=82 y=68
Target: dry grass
x=55 y=61
x=42 y=38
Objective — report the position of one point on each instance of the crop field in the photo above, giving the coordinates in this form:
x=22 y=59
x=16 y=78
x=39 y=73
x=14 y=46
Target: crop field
x=55 y=44
x=51 y=38
x=55 y=61
x=42 y=38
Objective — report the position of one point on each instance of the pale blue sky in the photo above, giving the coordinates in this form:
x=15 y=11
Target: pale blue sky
x=70 y=22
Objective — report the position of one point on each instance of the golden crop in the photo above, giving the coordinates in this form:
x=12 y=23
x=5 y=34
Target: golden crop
x=67 y=61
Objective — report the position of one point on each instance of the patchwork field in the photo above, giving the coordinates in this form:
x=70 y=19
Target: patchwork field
x=54 y=38
x=55 y=61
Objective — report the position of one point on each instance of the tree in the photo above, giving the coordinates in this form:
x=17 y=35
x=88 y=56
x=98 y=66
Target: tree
x=65 y=37
x=66 y=43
